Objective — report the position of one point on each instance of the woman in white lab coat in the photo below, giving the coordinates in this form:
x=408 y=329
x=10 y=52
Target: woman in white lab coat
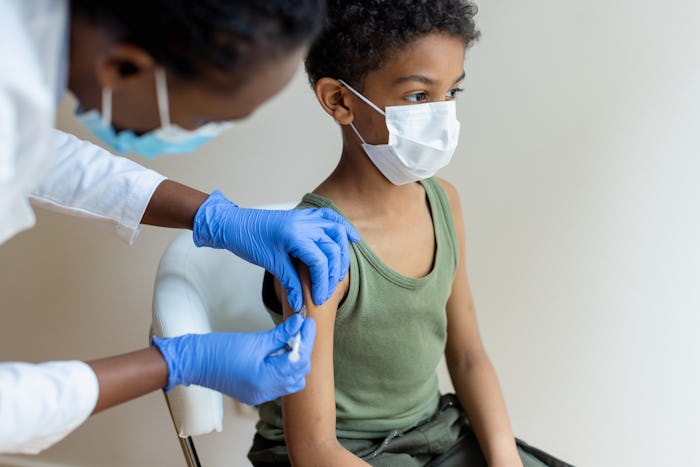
x=151 y=77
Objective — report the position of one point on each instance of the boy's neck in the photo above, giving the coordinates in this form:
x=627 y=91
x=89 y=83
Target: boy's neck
x=356 y=181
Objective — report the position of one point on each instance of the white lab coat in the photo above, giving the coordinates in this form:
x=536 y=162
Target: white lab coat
x=41 y=404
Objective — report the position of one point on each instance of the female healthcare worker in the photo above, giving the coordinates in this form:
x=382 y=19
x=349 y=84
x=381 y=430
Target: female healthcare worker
x=151 y=77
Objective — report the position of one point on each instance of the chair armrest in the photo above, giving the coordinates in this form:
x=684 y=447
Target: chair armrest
x=199 y=290
x=179 y=309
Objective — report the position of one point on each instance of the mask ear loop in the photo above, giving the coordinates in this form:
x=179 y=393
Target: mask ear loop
x=352 y=125
x=367 y=101
x=162 y=96
x=106 y=107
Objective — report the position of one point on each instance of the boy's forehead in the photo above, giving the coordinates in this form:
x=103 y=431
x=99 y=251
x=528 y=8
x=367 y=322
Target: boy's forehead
x=429 y=60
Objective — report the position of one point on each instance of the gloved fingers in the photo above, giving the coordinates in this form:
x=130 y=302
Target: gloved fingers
x=207 y=225
x=282 y=333
x=289 y=279
x=298 y=385
x=317 y=261
x=305 y=369
x=338 y=234
x=286 y=372
x=307 y=337
x=334 y=254
x=296 y=370
x=297 y=381
x=329 y=214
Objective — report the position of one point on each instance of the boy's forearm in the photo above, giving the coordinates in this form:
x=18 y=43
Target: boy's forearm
x=309 y=415
x=320 y=454
x=479 y=392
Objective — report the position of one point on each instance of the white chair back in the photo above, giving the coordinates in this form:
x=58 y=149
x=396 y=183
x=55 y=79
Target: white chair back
x=199 y=290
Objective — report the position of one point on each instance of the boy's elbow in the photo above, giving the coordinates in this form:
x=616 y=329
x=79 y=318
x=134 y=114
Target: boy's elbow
x=312 y=452
x=468 y=360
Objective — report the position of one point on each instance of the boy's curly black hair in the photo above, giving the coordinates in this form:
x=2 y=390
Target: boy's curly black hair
x=360 y=36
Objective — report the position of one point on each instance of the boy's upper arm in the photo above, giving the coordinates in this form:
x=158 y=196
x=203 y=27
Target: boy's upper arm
x=309 y=415
x=463 y=336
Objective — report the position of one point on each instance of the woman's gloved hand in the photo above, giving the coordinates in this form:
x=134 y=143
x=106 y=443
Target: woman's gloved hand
x=240 y=365
x=270 y=238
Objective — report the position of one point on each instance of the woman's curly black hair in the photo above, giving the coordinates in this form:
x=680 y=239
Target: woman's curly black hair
x=192 y=36
x=360 y=36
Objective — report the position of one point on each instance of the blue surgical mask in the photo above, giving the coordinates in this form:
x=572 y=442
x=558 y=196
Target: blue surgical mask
x=168 y=139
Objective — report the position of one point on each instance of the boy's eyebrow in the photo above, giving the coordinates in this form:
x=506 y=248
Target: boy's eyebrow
x=424 y=79
x=461 y=77
x=419 y=78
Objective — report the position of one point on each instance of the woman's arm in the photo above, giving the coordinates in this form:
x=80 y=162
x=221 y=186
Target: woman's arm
x=265 y=237
x=309 y=415
x=128 y=376
x=471 y=371
x=173 y=205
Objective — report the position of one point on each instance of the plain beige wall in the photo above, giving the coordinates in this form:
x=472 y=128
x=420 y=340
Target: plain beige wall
x=578 y=171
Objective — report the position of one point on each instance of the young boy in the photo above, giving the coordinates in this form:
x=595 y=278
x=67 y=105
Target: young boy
x=388 y=74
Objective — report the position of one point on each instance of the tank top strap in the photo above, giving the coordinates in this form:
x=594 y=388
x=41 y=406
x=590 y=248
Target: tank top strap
x=443 y=221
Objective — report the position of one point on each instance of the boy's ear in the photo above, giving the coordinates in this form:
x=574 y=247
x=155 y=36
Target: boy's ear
x=335 y=100
x=122 y=63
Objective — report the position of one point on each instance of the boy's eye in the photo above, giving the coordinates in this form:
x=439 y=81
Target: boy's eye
x=452 y=93
x=417 y=97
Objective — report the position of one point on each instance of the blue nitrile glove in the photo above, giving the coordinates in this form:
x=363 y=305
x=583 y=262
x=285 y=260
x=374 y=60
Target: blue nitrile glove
x=240 y=365
x=318 y=237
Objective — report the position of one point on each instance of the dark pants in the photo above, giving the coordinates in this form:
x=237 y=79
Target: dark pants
x=445 y=440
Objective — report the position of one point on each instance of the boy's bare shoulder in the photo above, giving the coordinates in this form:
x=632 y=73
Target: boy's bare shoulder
x=452 y=193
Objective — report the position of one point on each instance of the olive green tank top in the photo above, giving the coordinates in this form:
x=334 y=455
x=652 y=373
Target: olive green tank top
x=390 y=334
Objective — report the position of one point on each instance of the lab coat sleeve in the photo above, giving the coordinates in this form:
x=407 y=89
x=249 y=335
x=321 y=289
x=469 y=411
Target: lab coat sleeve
x=41 y=404
x=88 y=181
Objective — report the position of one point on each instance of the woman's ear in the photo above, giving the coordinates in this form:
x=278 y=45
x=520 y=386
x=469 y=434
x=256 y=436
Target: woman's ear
x=124 y=63
x=335 y=100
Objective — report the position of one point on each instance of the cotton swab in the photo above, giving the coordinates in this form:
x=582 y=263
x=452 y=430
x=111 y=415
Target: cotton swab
x=295 y=341
x=293 y=344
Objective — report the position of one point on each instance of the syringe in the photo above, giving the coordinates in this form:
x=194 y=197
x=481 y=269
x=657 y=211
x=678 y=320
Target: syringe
x=293 y=343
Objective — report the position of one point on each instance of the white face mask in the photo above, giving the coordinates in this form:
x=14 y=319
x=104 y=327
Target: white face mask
x=422 y=139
